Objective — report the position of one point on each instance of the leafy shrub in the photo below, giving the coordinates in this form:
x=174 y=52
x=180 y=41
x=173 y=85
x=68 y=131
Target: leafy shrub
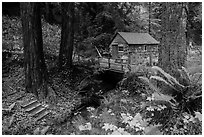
x=179 y=96
x=185 y=94
x=11 y=33
x=133 y=84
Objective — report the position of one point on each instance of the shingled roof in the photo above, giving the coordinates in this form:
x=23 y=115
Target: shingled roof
x=138 y=38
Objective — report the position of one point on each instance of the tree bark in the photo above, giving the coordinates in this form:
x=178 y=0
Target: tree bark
x=67 y=35
x=172 y=51
x=34 y=62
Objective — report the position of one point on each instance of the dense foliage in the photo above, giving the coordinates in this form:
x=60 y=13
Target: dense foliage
x=150 y=102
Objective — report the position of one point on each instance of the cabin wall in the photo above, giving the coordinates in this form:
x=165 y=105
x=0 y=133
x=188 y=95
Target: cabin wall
x=140 y=54
x=115 y=44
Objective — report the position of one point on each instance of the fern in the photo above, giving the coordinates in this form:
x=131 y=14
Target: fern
x=185 y=75
x=158 y=78
x=185 y=98
x=151 y=86
x=170 y=78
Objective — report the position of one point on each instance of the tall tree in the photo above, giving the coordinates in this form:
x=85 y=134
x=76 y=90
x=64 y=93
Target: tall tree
x=172 y=52
x=35 y=67
x=194 y=22
x=67 y=35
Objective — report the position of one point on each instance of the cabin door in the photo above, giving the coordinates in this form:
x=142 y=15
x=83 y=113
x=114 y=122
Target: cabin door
x=114 y=51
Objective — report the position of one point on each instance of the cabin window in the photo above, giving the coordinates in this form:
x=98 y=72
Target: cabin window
x=120 y=48
x=145 y=48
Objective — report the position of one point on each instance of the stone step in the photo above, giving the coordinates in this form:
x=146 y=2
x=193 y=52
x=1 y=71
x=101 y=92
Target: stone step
x=38 y=112
x=32 y=107
x=41 y=116
x=30 y=104
x=20 y=97
x=35 y=110
x=10 y=94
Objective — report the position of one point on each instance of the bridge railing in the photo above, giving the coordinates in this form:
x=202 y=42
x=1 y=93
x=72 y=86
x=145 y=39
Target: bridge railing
x=114 y=64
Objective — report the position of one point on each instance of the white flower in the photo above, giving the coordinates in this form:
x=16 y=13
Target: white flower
x=126 y=117
x=109 y=111
x=87 y=126
x=121 y=129
x=124 y=91
x=149 y=99
x=192 y=119
x=153 y=97
x=185 y=120
x=137 y=129
x=92 y=116
x=150 y=108
x=112 y=114
x=124 y=100
x=108 y=126
x=163 y=107
x=160 y=107
x=90 y=109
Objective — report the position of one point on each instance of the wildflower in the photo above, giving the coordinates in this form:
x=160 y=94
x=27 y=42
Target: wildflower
x=108 y=126
x=163 y=107
x=92 y=116
x=159 y=109
x=143 y=95
x=126 y=117
x=123 y=100
x=73 y=133
x=150 y=108
x=87 y=126
x=192 y=119
x=109 y=111
x=112 y=114
x=149 y=99
x=186 y=117
x=90 y=109
x=125 y=92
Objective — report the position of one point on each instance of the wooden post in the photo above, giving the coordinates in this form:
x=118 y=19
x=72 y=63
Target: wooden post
x=150 y=57
x=78 y=58
x=121 y=61
x=99 y=61
x=108 y=62
x=129 y=61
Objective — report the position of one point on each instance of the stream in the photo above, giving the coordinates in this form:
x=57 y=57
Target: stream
x=93 y=87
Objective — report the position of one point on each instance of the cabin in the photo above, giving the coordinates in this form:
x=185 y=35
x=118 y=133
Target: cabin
x=129 y=51
x=132 y=44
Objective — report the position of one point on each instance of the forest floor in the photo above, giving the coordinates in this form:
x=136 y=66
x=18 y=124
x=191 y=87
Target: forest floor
x=121 y=112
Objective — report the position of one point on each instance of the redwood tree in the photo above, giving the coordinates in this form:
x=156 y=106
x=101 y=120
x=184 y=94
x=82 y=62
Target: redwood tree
x=67 y=35
x=172 y=52
x=35 y=67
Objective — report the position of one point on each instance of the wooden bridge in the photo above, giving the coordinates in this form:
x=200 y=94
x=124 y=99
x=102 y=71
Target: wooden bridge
x=116 y=65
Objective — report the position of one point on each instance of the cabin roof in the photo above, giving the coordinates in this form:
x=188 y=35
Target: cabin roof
x=137 y=38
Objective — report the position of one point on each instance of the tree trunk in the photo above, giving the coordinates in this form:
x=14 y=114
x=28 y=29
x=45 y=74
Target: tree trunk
x=35 y=67
x=48 y=12
x=67 y=35
x=172 y=51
